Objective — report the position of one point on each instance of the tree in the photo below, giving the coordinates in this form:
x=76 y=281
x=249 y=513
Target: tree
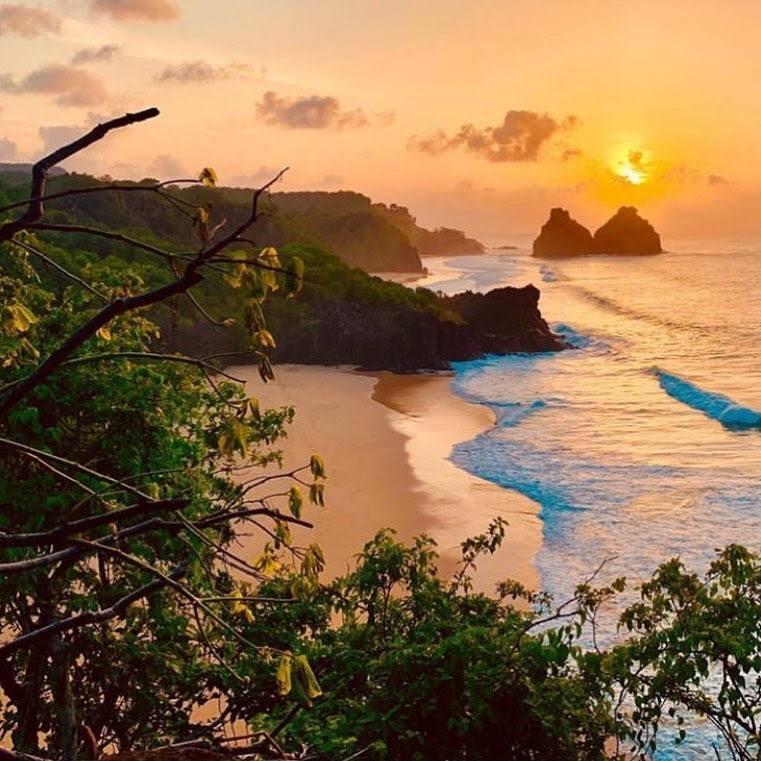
x=126 y=475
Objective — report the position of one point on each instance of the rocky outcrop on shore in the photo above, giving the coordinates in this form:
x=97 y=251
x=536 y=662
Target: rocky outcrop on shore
x=626 y=233
x=394 y=336
x=505 y=320
x=561 y=235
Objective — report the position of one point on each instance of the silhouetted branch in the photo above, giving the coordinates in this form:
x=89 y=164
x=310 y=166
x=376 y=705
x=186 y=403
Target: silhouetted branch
x=42 y=538
x=26 y=449
x=40 y=170
x=190 y=277
x=52 y=263
x=95 y=231
x=135 y=355
x=89 y=617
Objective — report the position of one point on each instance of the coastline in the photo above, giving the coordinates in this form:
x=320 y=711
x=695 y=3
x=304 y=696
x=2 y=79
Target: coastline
x=433 y=419
x=385 y=440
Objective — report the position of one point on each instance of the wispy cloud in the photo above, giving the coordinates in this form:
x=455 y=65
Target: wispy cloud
x=8 y=150
x=94 y=55
x=53 y=137
x=138 y=10
x=256 y=178
x=520 y=137
x=314 y=112
x=166 y=167
x=202 y=72
x=72 y=86
x=27 y=21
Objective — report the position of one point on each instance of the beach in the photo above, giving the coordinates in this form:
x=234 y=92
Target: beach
x=385 y=440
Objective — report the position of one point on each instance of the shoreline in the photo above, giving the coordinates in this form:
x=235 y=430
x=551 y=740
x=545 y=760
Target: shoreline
x=433 y=419
x=385 y=440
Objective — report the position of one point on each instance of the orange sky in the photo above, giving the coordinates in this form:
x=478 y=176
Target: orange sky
x=479 y=115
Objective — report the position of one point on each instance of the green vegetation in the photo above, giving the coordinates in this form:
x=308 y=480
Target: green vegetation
x=128 y=478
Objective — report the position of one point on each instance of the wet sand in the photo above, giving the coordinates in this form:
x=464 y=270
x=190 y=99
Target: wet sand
x=385 y=440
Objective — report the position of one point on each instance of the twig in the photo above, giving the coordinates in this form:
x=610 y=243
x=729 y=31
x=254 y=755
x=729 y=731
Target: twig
x=52 y=263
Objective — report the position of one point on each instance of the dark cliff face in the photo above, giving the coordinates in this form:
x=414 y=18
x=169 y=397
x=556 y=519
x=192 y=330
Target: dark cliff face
x=561 y=235
x=395 y=337
x=627 y=233
x=506 y=319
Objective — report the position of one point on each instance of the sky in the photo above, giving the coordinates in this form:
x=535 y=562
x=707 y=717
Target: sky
x=479 y=115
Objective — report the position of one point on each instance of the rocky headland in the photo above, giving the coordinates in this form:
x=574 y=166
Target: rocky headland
x=392 y=336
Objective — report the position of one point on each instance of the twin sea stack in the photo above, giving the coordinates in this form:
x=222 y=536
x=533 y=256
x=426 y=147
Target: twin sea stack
x=624 y=233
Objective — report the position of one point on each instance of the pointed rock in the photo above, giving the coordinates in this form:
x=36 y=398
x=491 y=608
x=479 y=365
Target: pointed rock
x=627 y=233
x=561 y=235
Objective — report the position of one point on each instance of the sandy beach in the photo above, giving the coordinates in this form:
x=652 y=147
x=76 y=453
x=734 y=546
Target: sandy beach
x=385 y=440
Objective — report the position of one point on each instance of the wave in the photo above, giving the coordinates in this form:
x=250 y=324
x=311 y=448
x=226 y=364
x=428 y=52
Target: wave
x=716 y=406
x=611 y=305
x=548 y=274
x=573 y=337
x=509 y=414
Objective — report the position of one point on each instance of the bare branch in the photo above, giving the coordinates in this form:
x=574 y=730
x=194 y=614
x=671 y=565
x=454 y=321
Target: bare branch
x=52 y=263
x=135 y=355
x=42 y=538
x=95 y=231
x=190 y=277
x=40 y=170
x=25 y=449
x=89 y=617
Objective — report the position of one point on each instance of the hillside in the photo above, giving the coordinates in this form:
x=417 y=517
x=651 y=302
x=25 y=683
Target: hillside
x=343 y=315
x=363 y=234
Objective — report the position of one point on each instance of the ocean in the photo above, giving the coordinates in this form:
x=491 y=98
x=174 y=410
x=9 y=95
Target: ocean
x=644 y=442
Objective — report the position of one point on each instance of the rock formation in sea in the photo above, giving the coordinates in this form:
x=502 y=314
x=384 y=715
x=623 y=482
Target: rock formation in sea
x=561 y=235
x=626 y=233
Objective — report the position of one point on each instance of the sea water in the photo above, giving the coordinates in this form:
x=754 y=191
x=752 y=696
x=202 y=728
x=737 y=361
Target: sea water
x=644 y=442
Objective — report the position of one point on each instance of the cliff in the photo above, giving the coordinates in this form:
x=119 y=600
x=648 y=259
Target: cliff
x=626 y=233
x=561 y=235
x=443 y=241
x=348 y=317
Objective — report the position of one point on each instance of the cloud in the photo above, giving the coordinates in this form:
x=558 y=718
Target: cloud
x=195 y=72
x=256 y=178
x=137 y=10
x=519 y=138
x=568 y=154
x=94 y=55
x=166 y=167
x=8 y=150
x=26 y=21
x=73 y=86
x=56 y=136
x=314 y=112
x=715 y=179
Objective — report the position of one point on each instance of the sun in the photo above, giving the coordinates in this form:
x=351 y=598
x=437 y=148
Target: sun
x=633 y=168
x=630 y=174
